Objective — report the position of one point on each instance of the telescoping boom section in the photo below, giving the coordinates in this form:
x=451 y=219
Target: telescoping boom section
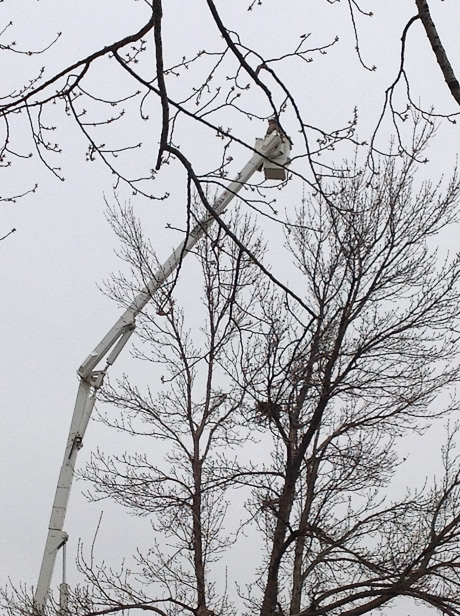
x=271 y=154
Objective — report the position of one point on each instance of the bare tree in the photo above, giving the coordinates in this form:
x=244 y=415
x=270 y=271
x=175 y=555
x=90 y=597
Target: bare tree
x=336 y=393
x=196 y=416
x=300 y=416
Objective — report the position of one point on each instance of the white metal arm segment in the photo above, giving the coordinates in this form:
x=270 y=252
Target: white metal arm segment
x=272 y=152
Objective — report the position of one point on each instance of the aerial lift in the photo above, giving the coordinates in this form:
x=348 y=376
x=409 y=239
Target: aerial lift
x=270 y=154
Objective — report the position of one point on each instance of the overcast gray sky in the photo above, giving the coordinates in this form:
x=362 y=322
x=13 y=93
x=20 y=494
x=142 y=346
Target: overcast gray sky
x=52 y=310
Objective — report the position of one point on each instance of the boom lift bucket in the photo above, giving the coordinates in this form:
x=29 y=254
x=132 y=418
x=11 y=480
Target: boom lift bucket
x=275 y=167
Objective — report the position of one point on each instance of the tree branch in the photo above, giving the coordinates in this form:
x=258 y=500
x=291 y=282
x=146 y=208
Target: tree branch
x=438 y=49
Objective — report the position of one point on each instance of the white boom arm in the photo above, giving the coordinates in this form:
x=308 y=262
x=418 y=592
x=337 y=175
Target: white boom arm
x=271 y=154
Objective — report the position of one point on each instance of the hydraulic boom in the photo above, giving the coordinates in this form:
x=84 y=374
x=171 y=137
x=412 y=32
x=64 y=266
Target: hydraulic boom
x=271 y=154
